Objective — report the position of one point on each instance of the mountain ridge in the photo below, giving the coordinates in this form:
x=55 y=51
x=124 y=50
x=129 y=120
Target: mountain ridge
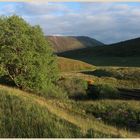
x=124 y=48
x=67 y=43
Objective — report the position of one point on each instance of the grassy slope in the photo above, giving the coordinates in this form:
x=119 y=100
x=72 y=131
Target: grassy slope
x=65 y=43
x=66 y=64
x=27 y=115
x=120 y=54
x=23 y=115
x=122 y=112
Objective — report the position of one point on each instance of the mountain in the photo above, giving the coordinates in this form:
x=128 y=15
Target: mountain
x=129 y=50
x=126 y=48
x=67 y=43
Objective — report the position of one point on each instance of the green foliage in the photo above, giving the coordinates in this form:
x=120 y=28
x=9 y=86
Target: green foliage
x=54 y=91
x=21 y=117
x=103 y=91
x=25 y=55
x=75 y=88
x=1 y=71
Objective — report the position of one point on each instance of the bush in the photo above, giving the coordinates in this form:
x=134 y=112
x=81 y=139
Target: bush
x=103 y=92
x=25 y=55
x=54 y=91
x=75 y=88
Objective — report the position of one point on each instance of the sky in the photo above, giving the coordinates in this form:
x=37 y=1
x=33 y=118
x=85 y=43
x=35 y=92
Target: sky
x=107 y=22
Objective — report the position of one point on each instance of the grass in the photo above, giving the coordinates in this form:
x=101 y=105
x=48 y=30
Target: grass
x=66 y=64
x=120 y=113
x=90 y=122
x=26 y=115
x=21 y=116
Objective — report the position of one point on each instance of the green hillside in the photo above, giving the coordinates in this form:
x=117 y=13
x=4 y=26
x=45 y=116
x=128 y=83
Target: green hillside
x=124 y=53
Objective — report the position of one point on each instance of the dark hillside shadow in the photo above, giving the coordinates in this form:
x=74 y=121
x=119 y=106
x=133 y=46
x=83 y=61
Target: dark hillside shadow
x=126 y=54
x=102 y=60
x=98 y=73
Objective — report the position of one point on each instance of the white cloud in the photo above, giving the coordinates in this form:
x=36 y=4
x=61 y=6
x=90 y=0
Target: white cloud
x=107 y=22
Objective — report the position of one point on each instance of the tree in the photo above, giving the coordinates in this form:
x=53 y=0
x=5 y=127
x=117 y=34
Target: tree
x=25 y=54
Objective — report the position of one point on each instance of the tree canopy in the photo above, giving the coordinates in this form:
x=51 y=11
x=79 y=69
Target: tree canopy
x=25 y=54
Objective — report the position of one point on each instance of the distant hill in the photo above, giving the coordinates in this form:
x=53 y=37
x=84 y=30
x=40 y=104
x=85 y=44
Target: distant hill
x=126 y=48
x=67 y=43
x=102 y=55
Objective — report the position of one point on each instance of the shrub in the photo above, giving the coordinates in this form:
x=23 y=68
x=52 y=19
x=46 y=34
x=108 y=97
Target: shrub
x=25 y=55
x=54 y=91
x=103 y=92
x=75 y=88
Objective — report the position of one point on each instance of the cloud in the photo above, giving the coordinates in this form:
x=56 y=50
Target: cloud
x=107 y=22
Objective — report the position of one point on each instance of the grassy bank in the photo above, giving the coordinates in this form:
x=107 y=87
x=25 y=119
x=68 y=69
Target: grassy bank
x=27 y=115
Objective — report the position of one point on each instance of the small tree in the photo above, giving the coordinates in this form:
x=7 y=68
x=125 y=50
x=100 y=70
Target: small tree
x=25 y=54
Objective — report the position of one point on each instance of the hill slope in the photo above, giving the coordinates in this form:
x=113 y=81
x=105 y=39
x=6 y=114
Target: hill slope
x=66 y=43
x=26 y=115
x=66 y=64
x=128 y=50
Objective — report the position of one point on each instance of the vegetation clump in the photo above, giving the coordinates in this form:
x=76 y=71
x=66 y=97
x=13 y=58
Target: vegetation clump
x=119 y=113
x=103 y=91
x=26 y=56
x=75 y=88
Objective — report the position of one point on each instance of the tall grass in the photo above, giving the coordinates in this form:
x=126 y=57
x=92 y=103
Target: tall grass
x=21 y=117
